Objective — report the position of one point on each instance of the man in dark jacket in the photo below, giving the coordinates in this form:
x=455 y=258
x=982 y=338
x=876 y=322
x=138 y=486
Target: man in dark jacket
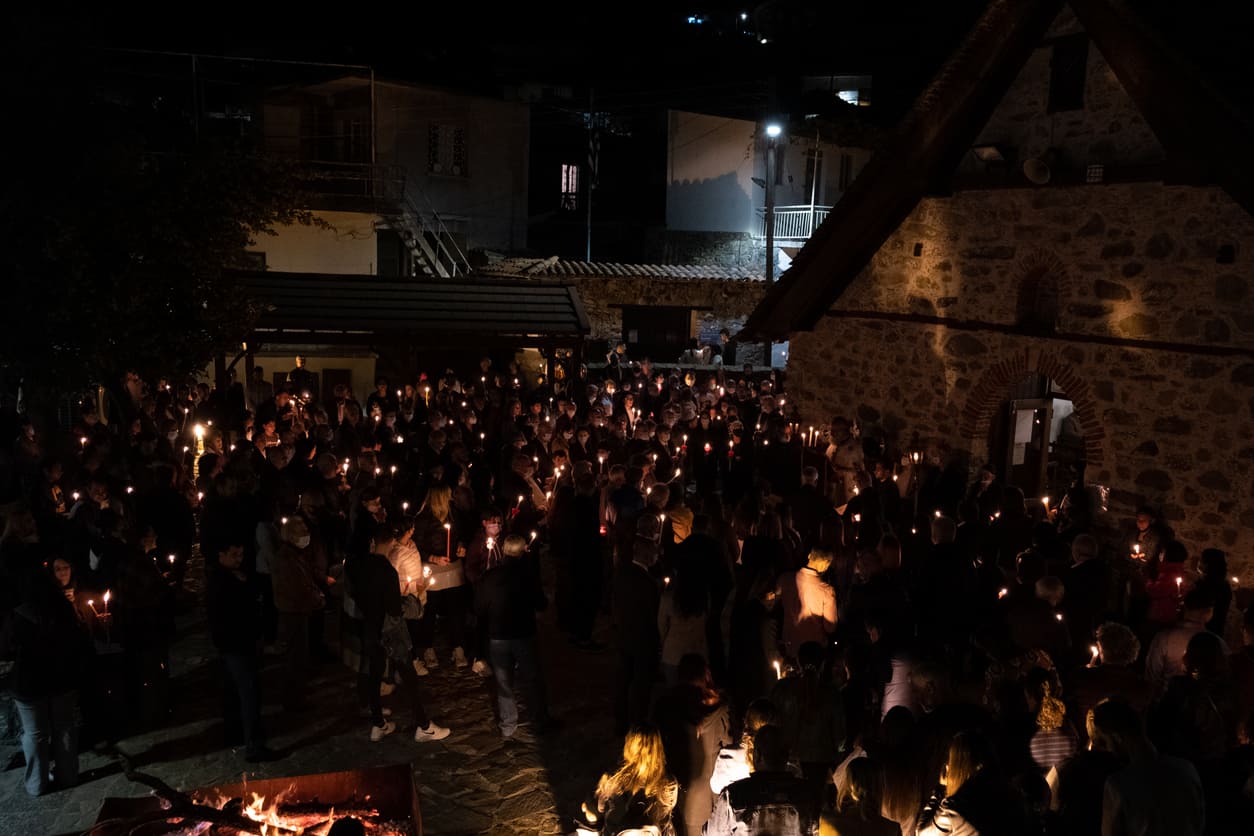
x=234 y=603
x=508 y=596
x=635 y=603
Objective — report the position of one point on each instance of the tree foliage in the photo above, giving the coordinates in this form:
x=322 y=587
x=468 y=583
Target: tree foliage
x=121 y=227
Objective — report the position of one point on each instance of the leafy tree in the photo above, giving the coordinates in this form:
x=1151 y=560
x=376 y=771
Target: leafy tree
x=121 y=225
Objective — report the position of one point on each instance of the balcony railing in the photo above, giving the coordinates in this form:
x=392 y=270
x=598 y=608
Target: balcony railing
x=793 y=223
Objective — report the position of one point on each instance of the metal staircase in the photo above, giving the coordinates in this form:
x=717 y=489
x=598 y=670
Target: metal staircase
x=435 y=251
x=383 y=190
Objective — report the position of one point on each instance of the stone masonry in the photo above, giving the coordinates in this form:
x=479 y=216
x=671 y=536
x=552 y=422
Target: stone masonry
x=1137 y=262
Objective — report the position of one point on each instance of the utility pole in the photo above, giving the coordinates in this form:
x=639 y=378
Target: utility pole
x=593 y=154
x=772 y=134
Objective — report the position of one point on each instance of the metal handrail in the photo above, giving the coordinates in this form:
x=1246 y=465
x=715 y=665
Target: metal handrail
x=794 y=223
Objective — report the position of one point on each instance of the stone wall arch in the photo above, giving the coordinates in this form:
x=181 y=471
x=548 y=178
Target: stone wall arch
x=1041 y=287
x=989 y=392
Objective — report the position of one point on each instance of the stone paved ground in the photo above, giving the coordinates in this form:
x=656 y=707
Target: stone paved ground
x=472 y=782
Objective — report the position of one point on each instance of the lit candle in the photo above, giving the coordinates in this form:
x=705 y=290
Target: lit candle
x=666 y=581
x=75 y=496
x=171 y=559
x=400 y=439
x=393 y=470
x=1058 y=616
x=107 y=596
x=1002 y=593
x=448 y=547
x=1136 y=550
x=1096 y=653
x=1045 y=502
x=83 y=441
x=1179 y=582
x=857 y=518
x=534 y=535
x=426 y=395
x=92 y=603
x=404 y=506
x=937 y=513
x=779 y=670
x=520 y=501
x=130 y=489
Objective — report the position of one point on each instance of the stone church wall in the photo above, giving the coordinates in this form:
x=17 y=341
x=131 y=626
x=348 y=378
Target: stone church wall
x=1168 y=425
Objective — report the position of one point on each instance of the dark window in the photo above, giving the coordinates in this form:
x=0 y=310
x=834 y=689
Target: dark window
x=660 y=333
x=446 y=150
x=254 y=260
x=846 y=171
x=1067 y=72
x=1037 y=308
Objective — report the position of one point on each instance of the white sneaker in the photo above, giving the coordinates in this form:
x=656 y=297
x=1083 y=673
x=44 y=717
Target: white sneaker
x=386 y=688
x=428 y=656
x=480 y=667
x=459 y=657
x=377 y=733
x=431 y=733
x=420 y=668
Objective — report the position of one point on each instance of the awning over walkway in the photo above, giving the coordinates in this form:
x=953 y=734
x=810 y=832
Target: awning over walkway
x=329 y=308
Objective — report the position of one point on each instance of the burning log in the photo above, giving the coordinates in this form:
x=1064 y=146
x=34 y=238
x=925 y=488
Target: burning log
x=379 y=801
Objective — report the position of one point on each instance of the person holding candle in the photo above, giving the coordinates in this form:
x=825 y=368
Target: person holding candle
x=438 y=537
x=1166 y=591
x=1113 y=675
x=49 y=648
x=377 y=591
x=507 y=599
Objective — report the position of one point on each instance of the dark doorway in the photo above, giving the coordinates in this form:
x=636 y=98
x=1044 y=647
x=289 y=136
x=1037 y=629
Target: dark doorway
x=659 y=333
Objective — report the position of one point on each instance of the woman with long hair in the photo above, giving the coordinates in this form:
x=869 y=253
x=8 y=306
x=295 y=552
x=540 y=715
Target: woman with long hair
x=640 y=793
x=978 y=800
x=858 y=803
x=439 y=540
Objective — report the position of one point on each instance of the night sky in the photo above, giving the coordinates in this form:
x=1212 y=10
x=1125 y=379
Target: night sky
x=635 y=54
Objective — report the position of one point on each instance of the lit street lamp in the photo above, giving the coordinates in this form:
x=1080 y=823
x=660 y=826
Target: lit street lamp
x=773 y=131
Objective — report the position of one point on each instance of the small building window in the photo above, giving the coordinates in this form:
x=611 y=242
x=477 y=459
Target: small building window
x=1067 y=71
x=446 y=150
x=846 y=171
x=1037 y=307
x=570 y=187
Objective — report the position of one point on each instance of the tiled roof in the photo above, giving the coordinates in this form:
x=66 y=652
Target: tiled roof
x=554 y=268
x=301 y=305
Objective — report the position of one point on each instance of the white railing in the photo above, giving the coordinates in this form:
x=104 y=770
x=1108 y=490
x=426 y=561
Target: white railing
x=793 y=223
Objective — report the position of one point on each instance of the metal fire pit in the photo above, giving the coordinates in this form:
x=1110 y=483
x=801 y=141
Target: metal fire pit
x=388 y=789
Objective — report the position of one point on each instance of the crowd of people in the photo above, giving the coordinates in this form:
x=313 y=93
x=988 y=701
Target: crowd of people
x=813 y=629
